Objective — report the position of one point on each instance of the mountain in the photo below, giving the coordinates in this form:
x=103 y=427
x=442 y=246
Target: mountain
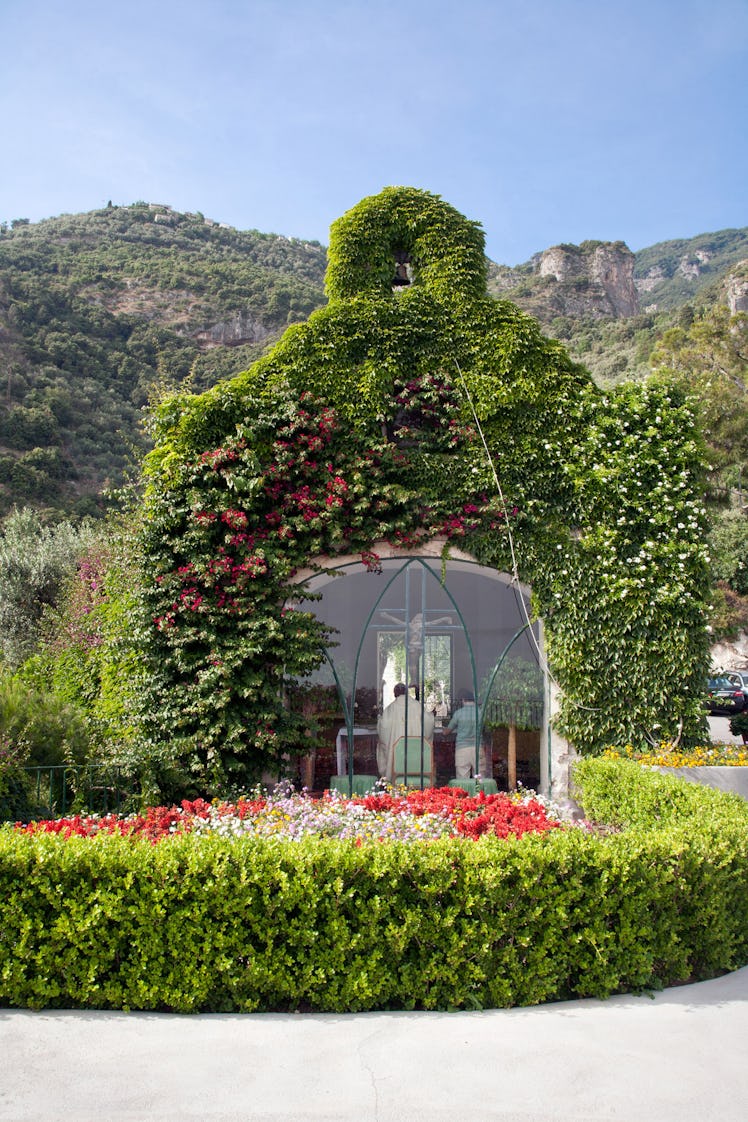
x=605 y=280
x=609 y=305
x=102 y=312
x=673 y=273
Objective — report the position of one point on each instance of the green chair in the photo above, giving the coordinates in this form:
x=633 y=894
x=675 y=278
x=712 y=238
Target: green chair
x=411 y=767
x=362 y=784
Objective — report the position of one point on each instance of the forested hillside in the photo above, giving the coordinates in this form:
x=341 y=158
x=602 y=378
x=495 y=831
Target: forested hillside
x=673 y=273
x=99 y=312
x=102 y=312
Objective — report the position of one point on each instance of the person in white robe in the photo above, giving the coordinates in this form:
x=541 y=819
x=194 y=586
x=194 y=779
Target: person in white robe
x=392 y=725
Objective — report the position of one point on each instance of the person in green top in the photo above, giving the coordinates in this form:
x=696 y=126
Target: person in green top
x=463 y=723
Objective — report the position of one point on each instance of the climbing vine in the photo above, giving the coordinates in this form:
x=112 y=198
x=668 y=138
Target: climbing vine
x=363 y=424
x=625 y=600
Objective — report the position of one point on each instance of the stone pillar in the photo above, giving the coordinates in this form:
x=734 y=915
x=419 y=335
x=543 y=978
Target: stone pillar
x=556 y=754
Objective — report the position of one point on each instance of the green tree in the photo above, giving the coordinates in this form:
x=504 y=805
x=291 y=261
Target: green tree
x=35 y=560
x=45 y=729
x=86 y=653
x=728 y=543
x=709 y=358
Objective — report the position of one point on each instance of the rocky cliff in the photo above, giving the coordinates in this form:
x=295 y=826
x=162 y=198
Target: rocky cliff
x=599 y=274
x=670 y=274
x=594 y=280
x=736 y=288
x=241 y=328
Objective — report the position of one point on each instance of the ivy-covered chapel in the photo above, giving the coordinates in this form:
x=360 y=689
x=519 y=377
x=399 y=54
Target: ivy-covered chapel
x=417 y=487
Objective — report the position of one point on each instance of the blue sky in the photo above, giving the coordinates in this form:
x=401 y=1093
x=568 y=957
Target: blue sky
x=546 y=122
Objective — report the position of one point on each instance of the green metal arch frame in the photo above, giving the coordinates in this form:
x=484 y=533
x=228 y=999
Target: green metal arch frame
x=407 y=563
x=347 y=703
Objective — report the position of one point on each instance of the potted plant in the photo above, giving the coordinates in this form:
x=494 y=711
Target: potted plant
x=739 y=725
x=515 y=702
x=317 y=703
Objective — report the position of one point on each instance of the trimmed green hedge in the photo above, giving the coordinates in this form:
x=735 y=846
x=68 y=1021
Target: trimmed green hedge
x=211 y=924
x=625 y=794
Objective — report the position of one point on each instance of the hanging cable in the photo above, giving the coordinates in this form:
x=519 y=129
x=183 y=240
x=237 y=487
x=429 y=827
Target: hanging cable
x=540 y=657
x=466 y=391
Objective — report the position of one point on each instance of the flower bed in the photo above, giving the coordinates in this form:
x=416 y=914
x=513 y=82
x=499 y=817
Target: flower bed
x=668 y=755
x=386 y=815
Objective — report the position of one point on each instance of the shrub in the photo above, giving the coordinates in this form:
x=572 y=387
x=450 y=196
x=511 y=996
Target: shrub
x=15 y=788
x=622 y=793
x=739 y=725
x=49 y=730
x=217 y=924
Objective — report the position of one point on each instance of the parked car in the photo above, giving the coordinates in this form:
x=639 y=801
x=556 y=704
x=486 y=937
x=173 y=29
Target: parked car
x=740 y=678
x=724 y=696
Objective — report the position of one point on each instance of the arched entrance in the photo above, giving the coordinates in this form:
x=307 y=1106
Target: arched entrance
x=452 y=635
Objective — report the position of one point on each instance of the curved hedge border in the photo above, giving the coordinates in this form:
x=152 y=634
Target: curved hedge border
x=208 y=924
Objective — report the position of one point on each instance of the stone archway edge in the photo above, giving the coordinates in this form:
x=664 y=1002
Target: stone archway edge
x=433 y=548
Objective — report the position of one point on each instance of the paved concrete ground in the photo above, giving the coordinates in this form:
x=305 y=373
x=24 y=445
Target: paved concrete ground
x=678 y=1056
x=719 y=730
